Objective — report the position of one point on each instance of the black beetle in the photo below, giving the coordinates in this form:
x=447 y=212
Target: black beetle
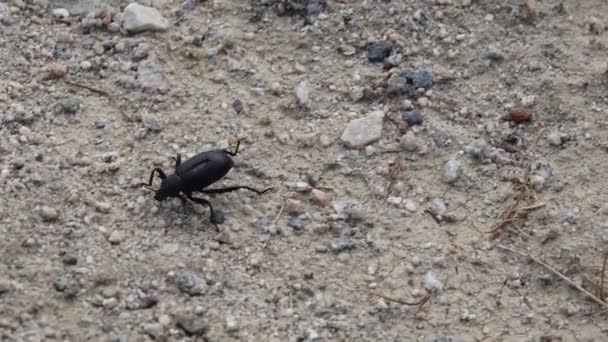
x=197 y=173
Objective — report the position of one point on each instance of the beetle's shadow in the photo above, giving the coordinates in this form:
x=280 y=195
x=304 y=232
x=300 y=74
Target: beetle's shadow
x=183 y=215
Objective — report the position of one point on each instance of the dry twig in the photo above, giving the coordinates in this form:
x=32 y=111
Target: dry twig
x=419 y=303
x=557 y=273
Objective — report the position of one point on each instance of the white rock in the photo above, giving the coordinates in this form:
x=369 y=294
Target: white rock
x=363 y=131
x=138 y=18
x=409 y=142
x=554 y=137
x=61 y=13
x=431 y=282
x=110 y=303
x=451 y=171
x=49 y=214
x=116 y=237
x=303 y=94
x=232 y=325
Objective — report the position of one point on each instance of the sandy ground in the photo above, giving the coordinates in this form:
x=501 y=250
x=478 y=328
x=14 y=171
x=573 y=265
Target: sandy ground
x=357 y=222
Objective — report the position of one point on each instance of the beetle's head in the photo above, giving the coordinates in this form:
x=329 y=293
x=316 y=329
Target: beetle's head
x=169 y=187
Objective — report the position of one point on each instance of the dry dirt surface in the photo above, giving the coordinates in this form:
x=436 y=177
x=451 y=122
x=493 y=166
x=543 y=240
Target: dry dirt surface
x=448 y=154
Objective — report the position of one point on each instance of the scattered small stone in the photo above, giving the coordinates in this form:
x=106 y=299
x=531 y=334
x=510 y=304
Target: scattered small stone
x=141 y=51
x=103 y=207
x=198 y=40
x=341 y=244
x=151 y=76
x=477 y=150
x=409 y=142
x=153 y=125
x=409 y=83
x=296 y=223
x=192 y=325
x=61 y=13
x=451 y=171
x=232 y=324
x=538 y=182
x=116 y=237
x=138 y=18
x=555 y=137
x=69 y=260
x=238 y=107
x=60 y=284
x=303 y=94
x=379 y=50
x=154 y=330
x=572 y=309
x=143 y=303
x=49 y=214
x=349 y=210
x=518 y=115
x=110 y=303
x=413 y=118
x=442 y=338
x=293 y=206
x=5 y=286
x=191 y=284
x=67 y=106
x=319 y=197
x=431 y=282
x=56 y=70
x=363 y=131
x=439 y=208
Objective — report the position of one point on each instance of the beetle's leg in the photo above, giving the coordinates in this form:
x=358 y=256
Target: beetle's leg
x=161 y=174
x=212 y=216
x=178 y=160
x=233 y=188
x=236 y=150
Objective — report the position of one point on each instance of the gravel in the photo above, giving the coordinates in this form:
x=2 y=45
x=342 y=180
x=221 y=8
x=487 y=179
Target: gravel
x=380 y=125
x=137 y=18
x=380 y=50
x=363 y=131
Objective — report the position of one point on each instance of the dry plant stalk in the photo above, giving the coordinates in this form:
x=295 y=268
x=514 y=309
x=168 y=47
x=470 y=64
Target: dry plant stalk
x=419 y=303
x=559 y=274
x=521 y=203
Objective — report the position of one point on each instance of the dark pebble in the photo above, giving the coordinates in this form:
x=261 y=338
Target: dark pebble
x=60 y=284
x=296 y=223
x=341 y=245
x=100 y=124
x=419 y=79
x=69 y=260
x=67 y=106
x=198 y=40
x=153 y=125
x=218 y=217
x=71 y=291
x=192 y=325
x=237 y=105
x=413 y=118
x=148 y=302
x=379 y=51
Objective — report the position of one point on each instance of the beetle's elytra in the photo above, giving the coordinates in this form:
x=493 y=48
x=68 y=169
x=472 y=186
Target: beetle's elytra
x=196 y=174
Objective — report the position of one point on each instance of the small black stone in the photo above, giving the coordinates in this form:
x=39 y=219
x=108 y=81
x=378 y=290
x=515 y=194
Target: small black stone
x=198 y=40
x=218 y=217
x=237 y=105
x=60 y=284
x=413 y=118
x=379 y=51
x=100 y=124
x=296 y=223
x=69 y=260
x=419 y=79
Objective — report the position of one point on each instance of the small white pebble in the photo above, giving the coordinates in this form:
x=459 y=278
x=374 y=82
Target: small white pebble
x=431 y=282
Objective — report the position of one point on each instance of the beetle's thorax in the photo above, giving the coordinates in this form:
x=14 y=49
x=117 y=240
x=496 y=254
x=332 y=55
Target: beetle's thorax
x=169 y=187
